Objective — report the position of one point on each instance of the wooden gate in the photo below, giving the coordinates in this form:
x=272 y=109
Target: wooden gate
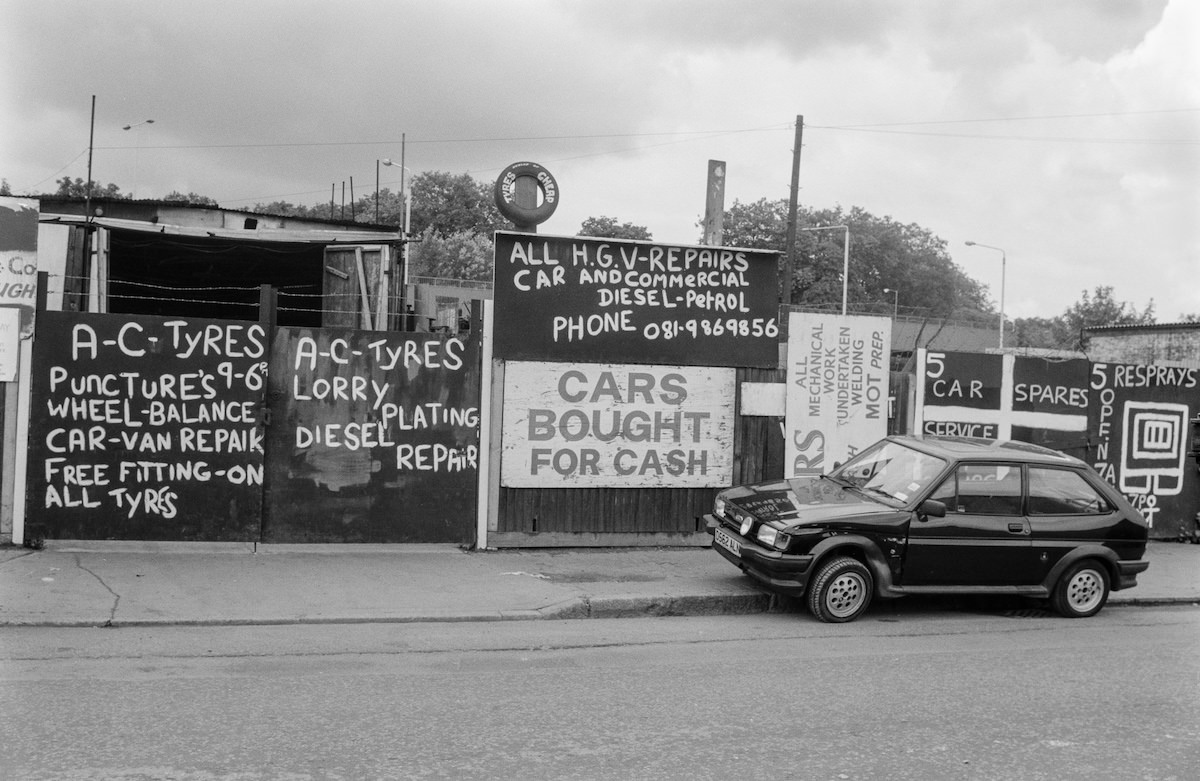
x=374 y=436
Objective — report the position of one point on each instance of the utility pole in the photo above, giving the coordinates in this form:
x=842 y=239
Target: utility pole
x=87 y=199
x=785 y=292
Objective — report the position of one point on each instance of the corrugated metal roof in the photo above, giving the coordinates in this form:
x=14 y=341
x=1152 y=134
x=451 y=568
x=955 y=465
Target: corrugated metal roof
x=1184 y=326
x=307 y=236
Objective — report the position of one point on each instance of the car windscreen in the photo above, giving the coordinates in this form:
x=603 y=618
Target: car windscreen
x=892 y=470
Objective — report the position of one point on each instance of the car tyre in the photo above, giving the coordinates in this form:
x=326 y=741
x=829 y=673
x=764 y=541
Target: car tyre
x=1082 y=590
x=840 y=591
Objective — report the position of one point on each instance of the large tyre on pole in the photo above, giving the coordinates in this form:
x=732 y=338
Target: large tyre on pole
x=840 y=591
x=525 y=215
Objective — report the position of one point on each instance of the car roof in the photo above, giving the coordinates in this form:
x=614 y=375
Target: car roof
x=959 y=448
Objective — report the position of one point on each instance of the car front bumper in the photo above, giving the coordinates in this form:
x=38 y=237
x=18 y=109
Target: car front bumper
x=782 y=573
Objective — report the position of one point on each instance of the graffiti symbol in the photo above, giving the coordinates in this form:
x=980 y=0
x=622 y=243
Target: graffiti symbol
x=1154 y=447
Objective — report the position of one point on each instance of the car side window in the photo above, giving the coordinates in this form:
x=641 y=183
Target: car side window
x=982 y=489
x=1063 y=492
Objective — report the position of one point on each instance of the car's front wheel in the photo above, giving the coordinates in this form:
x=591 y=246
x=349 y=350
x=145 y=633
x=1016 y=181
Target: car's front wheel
x=1082 y=590
x=840 y=591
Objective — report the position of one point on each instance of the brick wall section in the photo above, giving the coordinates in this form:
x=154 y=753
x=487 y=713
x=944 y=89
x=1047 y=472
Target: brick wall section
x=1177 y=345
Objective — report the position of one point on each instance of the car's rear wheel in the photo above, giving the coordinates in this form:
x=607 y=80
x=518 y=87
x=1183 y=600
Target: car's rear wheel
x=1082 y=590
x=840 y=591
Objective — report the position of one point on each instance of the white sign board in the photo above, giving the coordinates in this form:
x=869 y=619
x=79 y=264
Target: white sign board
x=18 y=257
x=837 y=389
x=581 y=425
x=10 y=342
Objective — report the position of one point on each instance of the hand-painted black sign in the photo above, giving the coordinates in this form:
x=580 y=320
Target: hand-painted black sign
x=1140 y=417
x=1055 y=387
x=606 y=300
x=971 y=380
x=146 y=428
x=375 y=437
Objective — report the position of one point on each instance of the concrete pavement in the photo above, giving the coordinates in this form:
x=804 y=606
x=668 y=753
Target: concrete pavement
x=136 y=584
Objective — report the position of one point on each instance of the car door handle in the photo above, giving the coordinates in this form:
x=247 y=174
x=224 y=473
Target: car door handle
x=1018 y=528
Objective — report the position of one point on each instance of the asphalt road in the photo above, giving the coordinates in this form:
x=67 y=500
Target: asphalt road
x=915 y=693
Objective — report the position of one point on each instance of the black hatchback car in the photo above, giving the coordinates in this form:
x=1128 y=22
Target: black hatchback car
x=935 y=515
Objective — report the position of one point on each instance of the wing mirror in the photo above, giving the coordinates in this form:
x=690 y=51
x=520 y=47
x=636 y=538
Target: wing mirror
x=931 y=508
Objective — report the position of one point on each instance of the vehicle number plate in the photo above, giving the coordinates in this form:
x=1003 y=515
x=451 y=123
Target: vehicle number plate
x=727 y=542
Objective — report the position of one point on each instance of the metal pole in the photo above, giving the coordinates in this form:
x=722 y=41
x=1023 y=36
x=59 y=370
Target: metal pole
x=1003 y=273
x=376 y=191
x=845 y=270
x=404 y=216
x=785 y=292
x=87 y=201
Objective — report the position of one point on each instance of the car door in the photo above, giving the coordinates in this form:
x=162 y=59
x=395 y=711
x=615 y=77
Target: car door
x=1066 y=511
x=984 y=538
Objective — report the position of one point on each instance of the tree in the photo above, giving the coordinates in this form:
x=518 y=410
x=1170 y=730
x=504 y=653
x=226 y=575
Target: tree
x=609 y=228
x=202 y=200
x=447 y=204
x=758 y=225
x=883 y=254
x=76 y=188
x=4 y=188
x=286 y=209
x=391 y=209
x=1100 y=308
x=1094 y=309
x=1047 y=332
x=460 y=255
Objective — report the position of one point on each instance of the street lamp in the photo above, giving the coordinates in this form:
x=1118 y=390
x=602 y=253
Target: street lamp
x=404 y=204
x=845 y=257
x=137 y=169
x=1003 y=265
x=895 y=301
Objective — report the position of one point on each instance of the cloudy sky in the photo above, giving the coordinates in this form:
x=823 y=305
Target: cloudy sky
x=1066 y=133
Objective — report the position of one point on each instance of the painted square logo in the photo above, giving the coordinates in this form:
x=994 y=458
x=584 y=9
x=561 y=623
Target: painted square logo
x=1155 y=447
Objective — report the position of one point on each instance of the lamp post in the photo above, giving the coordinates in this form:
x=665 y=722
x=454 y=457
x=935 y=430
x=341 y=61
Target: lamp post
x=136 y=168
x=404 y=203
x=406 y=212
x=895 y=301
x=845 y=257
x=1003 y=271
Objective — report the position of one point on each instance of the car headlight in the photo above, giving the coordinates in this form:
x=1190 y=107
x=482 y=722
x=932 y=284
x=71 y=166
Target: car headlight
x=773 y=538
x=747 y=522
x=719 y=507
